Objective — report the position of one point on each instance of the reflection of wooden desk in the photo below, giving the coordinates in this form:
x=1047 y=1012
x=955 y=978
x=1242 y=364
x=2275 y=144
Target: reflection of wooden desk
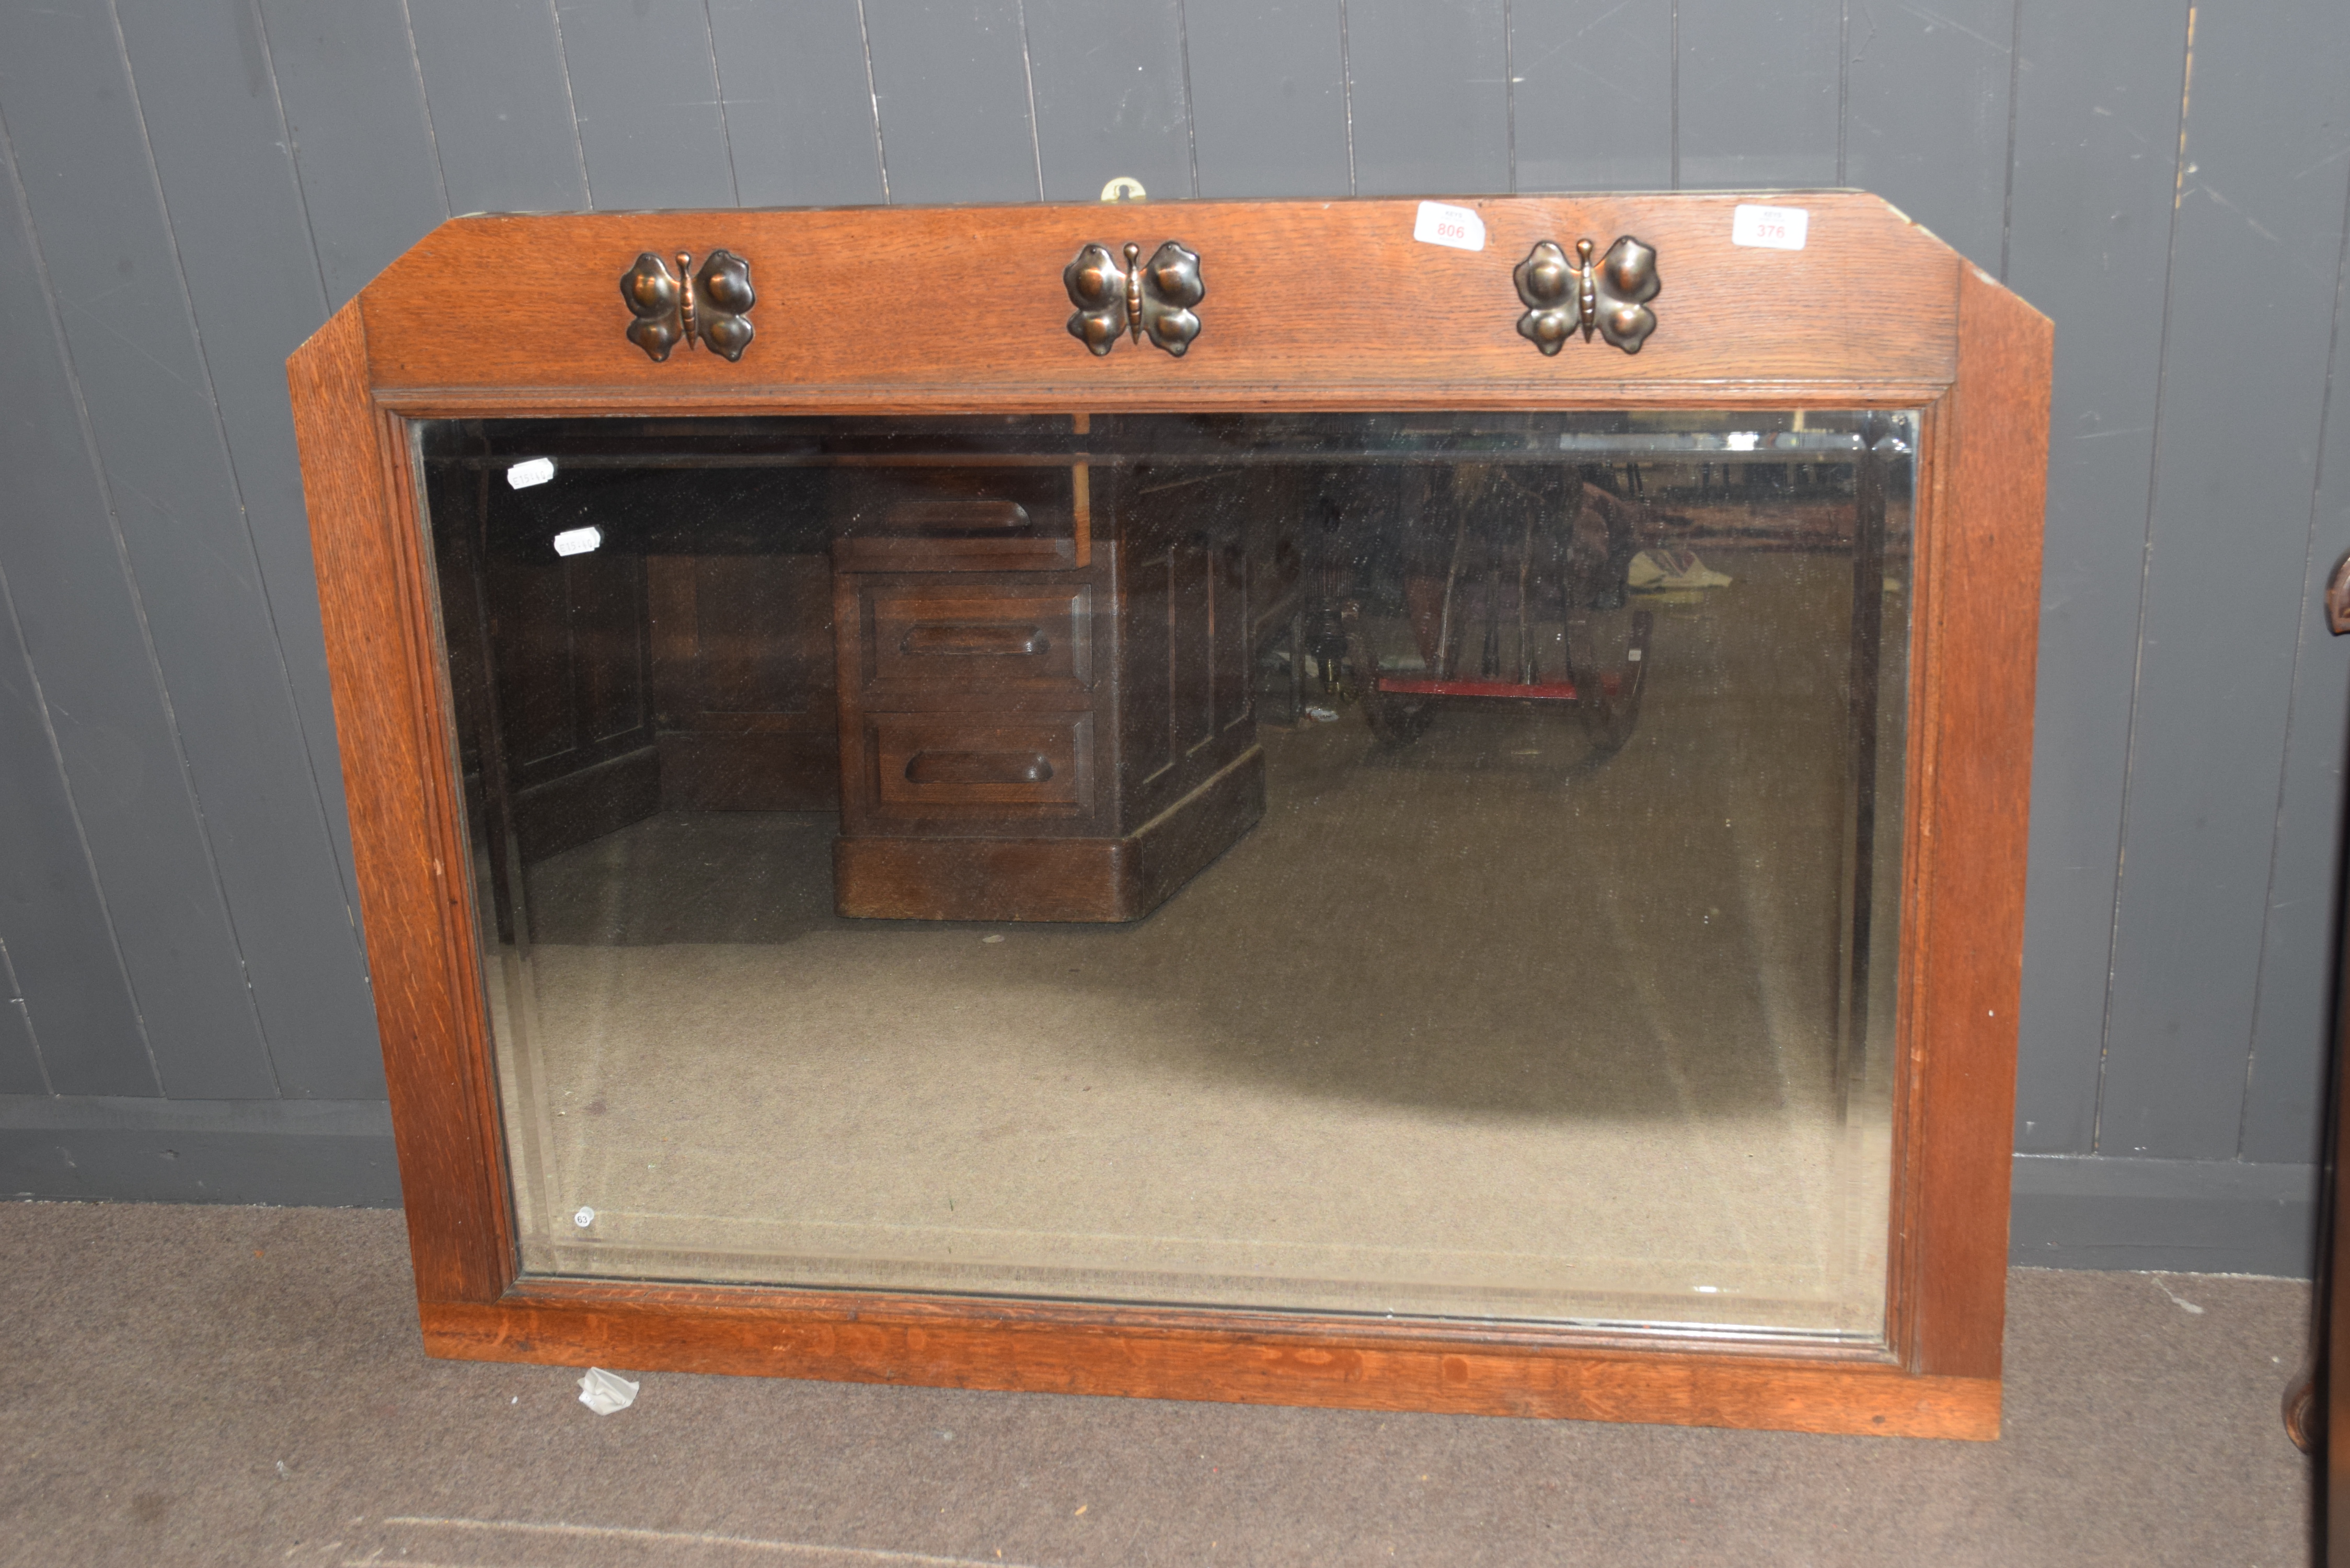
x=1020 y=740
x=1025 y=681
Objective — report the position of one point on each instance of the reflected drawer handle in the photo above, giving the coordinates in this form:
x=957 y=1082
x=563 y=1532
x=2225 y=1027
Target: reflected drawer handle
x=974 y=639
x=977 y=768
x=968 y=516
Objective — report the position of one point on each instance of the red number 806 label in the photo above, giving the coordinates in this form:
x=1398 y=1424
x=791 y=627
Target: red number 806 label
x=1440 y=223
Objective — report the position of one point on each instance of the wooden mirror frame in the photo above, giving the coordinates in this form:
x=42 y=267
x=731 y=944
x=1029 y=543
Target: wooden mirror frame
x=1328 y=305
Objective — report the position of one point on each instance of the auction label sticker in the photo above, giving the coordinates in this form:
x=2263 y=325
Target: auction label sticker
x=1458 y=227
x=1772 y=228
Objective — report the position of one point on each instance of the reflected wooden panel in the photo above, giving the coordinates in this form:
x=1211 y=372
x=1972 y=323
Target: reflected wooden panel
x=742 y=654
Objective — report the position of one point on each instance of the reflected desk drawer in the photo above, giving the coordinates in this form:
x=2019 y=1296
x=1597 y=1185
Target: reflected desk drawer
x=924 y=763
x=966 y=639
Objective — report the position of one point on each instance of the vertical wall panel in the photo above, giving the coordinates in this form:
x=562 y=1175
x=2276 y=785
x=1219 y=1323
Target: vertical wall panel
x=1429 y=99
x=1268 y=97
x=645 y=85
x=2292 y=1023
x=500 y=105
x=60 y=951
x=1594 y=95
x=370 y=177
x=2096 y=138
x=241 y=241
x=133 y=345
x=799 y=114
x=954 y=84
x=1925 y=116
x=1109 y=96
x=2235 y=455
x=81 y=627
x=20 y=1067
x=1760 y=92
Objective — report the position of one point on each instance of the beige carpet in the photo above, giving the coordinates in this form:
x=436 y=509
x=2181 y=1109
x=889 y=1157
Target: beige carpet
x=185 y=1388
x=1477 y=1027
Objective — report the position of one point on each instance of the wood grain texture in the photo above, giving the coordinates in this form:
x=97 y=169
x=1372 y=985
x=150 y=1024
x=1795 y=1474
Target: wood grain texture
x=986 y=1344
x=1972 y=697
x=1875 y=312
x=1306 y=301
x=398 y=774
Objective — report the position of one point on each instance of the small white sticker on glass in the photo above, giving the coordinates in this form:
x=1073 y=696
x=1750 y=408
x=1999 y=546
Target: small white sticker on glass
x=536 y=471
x=1772 y=228
x=577 y=541
x=1439 y=224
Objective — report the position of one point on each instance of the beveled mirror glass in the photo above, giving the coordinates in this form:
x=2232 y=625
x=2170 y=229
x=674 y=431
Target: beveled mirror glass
x=1436 y=865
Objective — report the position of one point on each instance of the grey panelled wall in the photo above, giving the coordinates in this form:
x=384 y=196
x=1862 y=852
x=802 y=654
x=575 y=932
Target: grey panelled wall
x=190 y=189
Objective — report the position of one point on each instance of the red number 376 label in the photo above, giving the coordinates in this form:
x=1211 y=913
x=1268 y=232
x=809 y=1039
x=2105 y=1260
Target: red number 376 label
x=1772 y=228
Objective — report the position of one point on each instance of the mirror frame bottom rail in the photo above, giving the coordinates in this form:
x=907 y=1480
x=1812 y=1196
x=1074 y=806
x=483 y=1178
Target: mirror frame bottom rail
x=1876 y=314
x=1184 y=1353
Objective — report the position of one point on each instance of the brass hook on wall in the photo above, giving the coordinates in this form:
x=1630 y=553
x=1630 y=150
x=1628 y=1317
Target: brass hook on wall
x=682 y=307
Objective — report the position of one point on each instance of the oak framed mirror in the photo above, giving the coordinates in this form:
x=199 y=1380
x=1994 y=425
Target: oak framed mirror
x=1409 y=805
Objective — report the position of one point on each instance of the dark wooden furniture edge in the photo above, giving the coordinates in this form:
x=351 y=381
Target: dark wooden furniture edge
x=1962 y=944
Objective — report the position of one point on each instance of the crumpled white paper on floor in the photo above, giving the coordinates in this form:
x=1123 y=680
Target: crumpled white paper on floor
x=605 y=1392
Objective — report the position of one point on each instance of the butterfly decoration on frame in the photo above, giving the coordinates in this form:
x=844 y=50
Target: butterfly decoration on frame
x=1611 y=298
x=712 y=305
x=1153 y=299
